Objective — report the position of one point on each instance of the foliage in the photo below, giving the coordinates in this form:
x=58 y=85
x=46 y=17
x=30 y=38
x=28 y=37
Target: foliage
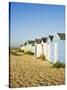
x=22 y=51
x=29 y=52
x=42 y=57
x=59 y=65
x=14 y=53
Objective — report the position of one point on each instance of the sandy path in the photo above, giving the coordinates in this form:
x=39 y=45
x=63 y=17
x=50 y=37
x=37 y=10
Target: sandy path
x=27 y=71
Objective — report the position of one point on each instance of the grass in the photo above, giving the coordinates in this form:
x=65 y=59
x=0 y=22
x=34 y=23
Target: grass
x=42 y=57
x=22 y=51
x=58 y=65
x=29 y=52
x=14 y=53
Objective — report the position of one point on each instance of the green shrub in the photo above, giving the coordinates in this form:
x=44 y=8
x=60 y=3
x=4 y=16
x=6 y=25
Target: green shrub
x=14 y=53
x=22 y=51
x=29 y=52
x=59 y=65
x=42 y=57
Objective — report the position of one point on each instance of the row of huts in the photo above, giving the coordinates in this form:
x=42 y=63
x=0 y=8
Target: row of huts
x=51 y=47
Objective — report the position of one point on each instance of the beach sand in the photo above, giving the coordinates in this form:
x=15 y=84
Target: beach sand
x=27 y=71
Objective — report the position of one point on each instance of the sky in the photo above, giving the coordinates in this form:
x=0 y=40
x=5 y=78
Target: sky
x=30 y=21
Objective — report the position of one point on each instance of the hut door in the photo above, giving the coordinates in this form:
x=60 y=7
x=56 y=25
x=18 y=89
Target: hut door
x=52 y=52
x=48 y=52
x=35 y=50
x=42 y=50
x=55 y=52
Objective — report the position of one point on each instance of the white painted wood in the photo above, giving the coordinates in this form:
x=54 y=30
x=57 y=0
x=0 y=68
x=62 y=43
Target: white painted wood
x=38 y=50
x=22 y=48
x=48 y=51
x=32 y=49
x=56 y=52
x=45 y=50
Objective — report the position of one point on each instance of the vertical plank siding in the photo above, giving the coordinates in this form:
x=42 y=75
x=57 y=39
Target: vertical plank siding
x=61 y=51
x=45 y=51
x=53 y=50
x=39 y=50
x=48 y=52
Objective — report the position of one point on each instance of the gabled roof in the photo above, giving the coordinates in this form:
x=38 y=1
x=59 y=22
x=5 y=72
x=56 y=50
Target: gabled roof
x=21 y=45
x=51 y=37
x=38 y=41
x=61 y=36
x=25 y=43
x=31 y=42
x=44 y=39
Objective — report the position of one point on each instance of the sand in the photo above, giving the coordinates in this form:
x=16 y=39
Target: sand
x=27 y=71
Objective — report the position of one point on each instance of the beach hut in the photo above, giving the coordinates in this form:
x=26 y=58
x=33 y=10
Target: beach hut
x=44 y=47
x=22 y=48
x=25 y=47
x=59 y=47
x=50 y=48
x=56 y=48
x=28 y=46
x=31 y=46
x=38 y=48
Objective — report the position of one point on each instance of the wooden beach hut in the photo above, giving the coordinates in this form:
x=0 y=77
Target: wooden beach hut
x=28 y=46
x=56 y=47
x=22 y=47
x=31 y=46
x=44 y=47
x=50 y=48
x=38 y=48
x=59 y=47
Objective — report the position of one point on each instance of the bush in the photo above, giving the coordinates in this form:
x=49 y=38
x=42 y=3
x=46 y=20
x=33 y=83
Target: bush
x=42 y=57
x=29 y=52
x=14 y=53
x=22 y=51
x=59 y=65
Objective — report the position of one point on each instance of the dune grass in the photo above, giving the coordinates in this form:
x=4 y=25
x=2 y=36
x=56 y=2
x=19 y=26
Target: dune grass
x=58 y=65
x=29 y=53
x=42 y=57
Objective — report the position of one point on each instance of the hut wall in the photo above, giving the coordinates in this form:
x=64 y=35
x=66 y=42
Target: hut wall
x=61 y=51
x=51 y=52
x=45 y=52
x=38 y=50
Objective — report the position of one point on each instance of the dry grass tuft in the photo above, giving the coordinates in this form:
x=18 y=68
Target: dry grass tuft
x=58 y=65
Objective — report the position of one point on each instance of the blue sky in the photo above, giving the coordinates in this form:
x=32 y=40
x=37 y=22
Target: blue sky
x=29 y=21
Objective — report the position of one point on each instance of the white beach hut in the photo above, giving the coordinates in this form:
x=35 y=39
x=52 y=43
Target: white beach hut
x=28 y=46
x=22 y=48
x=31 y=46
x=50 y=48
x=44 y=47
x=38 y=48
x=25 y=47
x=56 y=47
x=59 y=47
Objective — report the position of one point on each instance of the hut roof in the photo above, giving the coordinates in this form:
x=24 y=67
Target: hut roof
x=21 y=45
x=38 y=41
x=61 y=36
x=51 y=37
x=25 y=43
x=44 y=39
x=31 y=42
